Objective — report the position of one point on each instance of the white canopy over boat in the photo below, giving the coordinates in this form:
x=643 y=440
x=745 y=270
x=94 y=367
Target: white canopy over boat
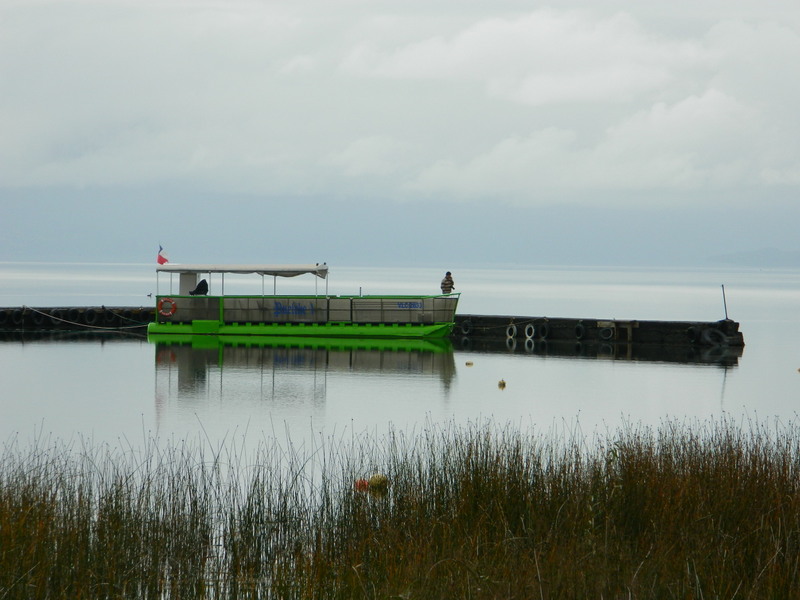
x=320 y=270
x=189 y=274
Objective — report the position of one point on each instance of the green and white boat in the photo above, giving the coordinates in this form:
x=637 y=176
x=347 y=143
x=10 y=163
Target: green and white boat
x=192 y=311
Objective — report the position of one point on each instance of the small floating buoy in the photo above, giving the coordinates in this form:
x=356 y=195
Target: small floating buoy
x=470 y=363
x=361 y=485
x=501 y=384
x=378 y=480
x=378 y=484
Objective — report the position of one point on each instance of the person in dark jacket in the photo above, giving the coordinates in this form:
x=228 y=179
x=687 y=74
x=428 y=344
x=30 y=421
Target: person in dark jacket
x=447 y=283
x=201 y=289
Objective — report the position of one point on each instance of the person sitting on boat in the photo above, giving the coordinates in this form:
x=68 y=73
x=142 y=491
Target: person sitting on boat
x=201 y=289
x=447 y=283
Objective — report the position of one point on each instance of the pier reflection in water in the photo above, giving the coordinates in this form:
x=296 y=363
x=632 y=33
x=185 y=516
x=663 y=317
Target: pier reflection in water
x=720 y=355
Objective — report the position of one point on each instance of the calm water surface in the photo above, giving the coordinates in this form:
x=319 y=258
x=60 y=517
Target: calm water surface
x=124 y=390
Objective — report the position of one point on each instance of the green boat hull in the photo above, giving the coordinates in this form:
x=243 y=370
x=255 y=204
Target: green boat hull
x=323 y=330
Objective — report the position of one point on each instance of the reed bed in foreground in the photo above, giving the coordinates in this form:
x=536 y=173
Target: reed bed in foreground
x=678 y=511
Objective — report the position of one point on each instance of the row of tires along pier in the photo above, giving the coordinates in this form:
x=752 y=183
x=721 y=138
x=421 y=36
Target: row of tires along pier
x=716 y=333
x=27 y=318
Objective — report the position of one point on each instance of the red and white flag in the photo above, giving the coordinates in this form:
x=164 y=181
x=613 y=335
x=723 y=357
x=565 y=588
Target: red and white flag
x=162 y=256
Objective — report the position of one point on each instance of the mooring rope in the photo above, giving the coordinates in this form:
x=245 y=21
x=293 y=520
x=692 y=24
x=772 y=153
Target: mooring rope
x=52 y=317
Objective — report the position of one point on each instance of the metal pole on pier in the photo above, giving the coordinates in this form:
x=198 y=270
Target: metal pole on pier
x=724 y=302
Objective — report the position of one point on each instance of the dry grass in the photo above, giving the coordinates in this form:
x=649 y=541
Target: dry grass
x=701 y=511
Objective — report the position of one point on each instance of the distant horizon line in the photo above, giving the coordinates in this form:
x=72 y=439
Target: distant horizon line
x=746 y=260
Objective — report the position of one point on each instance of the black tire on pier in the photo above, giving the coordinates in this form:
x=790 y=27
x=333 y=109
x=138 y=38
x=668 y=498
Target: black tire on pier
x=544 y=331
x=90 y=316
x=17 y=317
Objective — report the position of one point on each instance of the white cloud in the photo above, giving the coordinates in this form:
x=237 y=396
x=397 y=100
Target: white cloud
x=699 y=142
x=541 y=58
x=371 y=156
x=298 y=64
x=512 y=167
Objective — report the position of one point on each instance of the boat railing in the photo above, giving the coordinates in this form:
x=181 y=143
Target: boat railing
x=308 y=309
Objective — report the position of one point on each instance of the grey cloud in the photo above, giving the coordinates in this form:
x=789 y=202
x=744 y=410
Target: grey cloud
x=454 y=101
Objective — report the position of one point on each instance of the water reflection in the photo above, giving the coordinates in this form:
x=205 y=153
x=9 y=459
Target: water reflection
x=115 y=386
x=689 y=354
x=285 y=369
x=220 y=379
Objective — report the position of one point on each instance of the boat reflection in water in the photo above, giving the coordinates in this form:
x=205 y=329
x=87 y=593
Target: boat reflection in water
x=287 y=369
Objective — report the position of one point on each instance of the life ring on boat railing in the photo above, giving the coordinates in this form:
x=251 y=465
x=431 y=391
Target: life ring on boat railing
x=164 y=310
x=580 y=331
x=466 y=327
x=530 y=331
x=511 y=344
x=511 y=331
x=606 y=333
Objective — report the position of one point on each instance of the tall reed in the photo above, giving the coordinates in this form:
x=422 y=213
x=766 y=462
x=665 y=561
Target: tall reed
x=701 y=510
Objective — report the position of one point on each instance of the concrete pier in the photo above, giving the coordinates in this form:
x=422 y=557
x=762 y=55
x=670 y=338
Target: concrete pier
x=550 y=329
x=75 y=318
x=474 y=328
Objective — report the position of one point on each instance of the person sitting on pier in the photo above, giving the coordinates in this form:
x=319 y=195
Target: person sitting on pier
x=201 y=289
x=447 y=283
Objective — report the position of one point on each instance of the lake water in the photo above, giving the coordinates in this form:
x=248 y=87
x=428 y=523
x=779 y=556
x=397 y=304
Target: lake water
x=126 y=390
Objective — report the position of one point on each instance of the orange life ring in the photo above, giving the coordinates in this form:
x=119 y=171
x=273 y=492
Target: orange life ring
x=167 y=312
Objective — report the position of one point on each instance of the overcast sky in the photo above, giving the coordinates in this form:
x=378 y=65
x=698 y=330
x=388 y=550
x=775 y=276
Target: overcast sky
x=403 y=132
